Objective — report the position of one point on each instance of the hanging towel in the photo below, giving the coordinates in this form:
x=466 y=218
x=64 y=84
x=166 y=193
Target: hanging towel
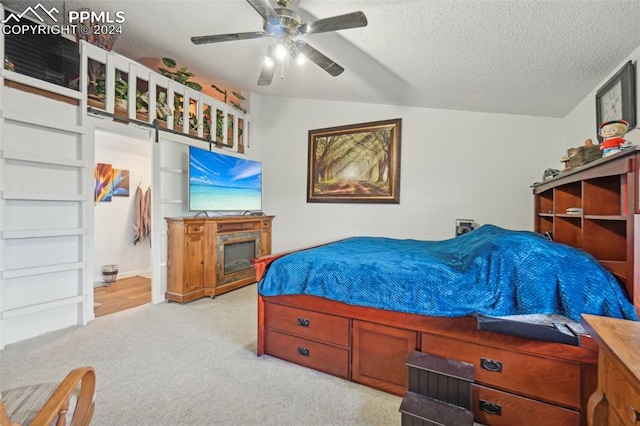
x=146 y=215
x=138 y=208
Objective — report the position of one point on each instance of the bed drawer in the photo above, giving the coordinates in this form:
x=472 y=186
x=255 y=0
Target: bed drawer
x=496 y=408
x=327 y=358
x=311 y=325
x=546 y=379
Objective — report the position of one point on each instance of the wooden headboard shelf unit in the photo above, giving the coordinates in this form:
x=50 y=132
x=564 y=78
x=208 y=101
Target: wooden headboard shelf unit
x=607 y=192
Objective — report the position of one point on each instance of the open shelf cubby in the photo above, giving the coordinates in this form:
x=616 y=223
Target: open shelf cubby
x=605 y=239
x=568 y=230
x=603 y=196
x=567 y=196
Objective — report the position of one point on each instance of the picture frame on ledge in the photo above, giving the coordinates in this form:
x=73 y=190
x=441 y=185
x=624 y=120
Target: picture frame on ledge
x=616 y=99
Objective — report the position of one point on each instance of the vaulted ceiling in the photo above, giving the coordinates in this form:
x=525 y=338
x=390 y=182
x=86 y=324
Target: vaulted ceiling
x=531 y=57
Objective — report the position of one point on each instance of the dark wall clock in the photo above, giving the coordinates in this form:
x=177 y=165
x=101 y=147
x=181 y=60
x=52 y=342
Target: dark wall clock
x=617 y=98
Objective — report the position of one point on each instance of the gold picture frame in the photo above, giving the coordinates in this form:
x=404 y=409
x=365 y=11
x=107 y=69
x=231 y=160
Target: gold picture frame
x=357 y=163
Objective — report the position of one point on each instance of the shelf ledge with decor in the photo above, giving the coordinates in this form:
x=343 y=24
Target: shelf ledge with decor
x=112 y=86
x=110 y=83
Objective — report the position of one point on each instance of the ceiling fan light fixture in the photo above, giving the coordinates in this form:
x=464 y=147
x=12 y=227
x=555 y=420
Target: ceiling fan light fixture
x=284 y=25
x=297 y=55
x=281 y=51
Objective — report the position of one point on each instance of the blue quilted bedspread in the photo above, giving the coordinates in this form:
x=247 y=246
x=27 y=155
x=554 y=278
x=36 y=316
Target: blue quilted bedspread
x=490 y=271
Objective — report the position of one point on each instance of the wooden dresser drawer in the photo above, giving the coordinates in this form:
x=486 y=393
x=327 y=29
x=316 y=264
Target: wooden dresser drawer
x=311 y=325
x=195 y=228
x=550 y=380
x=327 y=358
x=496 y=408
x=622 y=398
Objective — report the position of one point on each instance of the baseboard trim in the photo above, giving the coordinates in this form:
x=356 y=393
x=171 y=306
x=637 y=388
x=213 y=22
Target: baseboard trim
x=99 y=281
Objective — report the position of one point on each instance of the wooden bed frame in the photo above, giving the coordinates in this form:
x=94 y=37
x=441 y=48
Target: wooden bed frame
x=516 y=380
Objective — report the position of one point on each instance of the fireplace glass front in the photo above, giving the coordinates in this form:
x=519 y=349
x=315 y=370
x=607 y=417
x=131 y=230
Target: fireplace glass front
x=237 y=256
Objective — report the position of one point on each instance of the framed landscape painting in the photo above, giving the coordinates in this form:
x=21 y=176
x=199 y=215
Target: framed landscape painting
x=358 y=163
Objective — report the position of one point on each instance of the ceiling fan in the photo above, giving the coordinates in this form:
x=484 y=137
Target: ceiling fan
x=284 y=26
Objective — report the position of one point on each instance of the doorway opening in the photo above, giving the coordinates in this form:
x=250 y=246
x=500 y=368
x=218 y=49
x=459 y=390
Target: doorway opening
x=122 y=179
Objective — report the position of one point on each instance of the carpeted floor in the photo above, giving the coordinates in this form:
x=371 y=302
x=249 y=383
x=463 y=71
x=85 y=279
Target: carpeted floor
x=193 y=364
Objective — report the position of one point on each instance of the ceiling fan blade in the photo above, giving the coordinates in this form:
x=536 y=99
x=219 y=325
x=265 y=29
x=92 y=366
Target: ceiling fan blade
x=335 y=23
x=319 y=59
x=268 y=70
x=264 y=8
x=227 y=37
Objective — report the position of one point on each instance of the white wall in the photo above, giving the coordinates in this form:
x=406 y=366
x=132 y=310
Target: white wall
x=581 y=123
x=453 y=165
x=113 y=221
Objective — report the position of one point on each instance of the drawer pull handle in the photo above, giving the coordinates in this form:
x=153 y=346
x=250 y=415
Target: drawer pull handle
x=490 y=408
x=303 y=351
x=196 y=229
x=491 y=365
x=303 y=322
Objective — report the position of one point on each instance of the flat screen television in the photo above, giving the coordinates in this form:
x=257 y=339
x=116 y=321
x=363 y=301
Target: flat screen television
x=220 y=182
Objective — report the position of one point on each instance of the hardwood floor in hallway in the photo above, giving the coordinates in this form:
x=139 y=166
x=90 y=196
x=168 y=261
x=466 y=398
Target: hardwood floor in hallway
x=123 y=294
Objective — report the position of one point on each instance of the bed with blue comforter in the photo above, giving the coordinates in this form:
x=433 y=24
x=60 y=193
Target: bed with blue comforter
x=490 y=271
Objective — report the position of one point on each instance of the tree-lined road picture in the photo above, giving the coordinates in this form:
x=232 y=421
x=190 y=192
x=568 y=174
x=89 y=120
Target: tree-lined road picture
x=355 y=163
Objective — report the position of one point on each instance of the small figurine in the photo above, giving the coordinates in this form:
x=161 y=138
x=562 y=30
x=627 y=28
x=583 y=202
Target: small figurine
x=8 y=64
x=611 y=133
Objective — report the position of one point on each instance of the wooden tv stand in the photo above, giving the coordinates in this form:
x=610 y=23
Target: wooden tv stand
x=196 y=247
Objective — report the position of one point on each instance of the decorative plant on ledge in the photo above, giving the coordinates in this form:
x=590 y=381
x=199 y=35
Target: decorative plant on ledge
x=206 y=118
x=181 y=75
x=102 y=40
x=219 y=115
x=121 y=90
x=238 y=96
x=162 y=109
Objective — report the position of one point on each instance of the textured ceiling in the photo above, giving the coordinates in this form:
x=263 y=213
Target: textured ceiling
x=531 y=57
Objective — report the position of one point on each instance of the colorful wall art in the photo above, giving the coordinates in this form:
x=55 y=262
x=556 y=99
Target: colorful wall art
x=110 y=182
x=120 y=183
x=103 y=176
